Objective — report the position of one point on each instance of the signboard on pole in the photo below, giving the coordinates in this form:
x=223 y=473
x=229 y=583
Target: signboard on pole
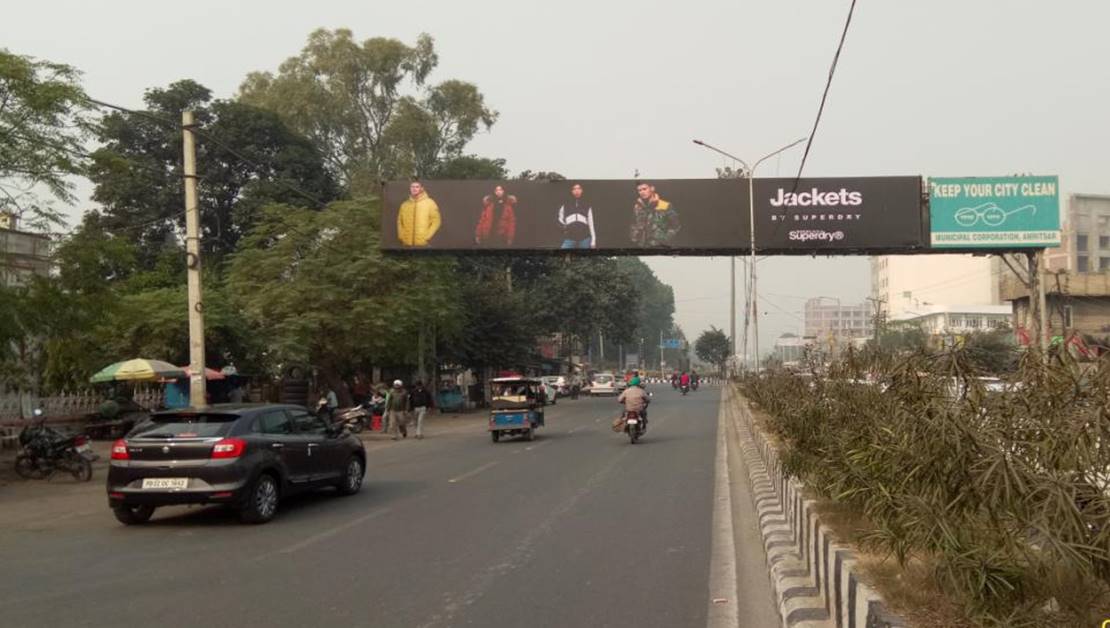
x=672 y=343
x=994 y=212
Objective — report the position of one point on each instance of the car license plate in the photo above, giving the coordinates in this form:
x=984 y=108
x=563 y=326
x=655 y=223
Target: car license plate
x=155 y=483
x=83 y=448
x=632 y=421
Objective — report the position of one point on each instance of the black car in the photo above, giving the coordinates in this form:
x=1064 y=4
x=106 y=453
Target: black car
x=247 y=456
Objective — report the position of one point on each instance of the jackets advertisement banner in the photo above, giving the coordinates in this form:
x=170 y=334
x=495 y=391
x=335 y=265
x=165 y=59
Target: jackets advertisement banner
x=654 y=217
x=858 y=214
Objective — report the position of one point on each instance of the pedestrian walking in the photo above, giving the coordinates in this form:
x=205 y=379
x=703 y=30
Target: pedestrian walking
x=420 y=400
x=396 y=409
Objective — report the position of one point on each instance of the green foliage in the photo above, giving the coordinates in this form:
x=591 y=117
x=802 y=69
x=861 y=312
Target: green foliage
x=585 y=296
x=1002 y=490
x=138 y=173
x=713 y=347
x=316 y=286
x=368 y=107
x=42 y=124
x=903 y=337
x=655 y=307
x=470 y=167
x=992 y=351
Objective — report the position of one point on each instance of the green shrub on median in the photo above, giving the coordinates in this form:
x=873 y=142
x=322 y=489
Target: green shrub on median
x=1001 y=484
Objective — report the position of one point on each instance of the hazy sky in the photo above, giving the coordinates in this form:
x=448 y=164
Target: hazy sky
x=599 y=89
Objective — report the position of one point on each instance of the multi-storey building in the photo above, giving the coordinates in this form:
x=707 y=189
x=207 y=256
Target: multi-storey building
x=829 y=321
x=907 y=283
x=1085 y=242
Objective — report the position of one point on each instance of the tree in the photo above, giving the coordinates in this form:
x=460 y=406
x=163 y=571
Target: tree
x=713 y=347
x=369 y=108
x=992 y=351
x=655 y=310
x=43 y=120
x=246 y=158
x=899 y=337
x=316 y=287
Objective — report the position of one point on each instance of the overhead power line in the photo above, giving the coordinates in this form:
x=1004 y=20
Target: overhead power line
x=825 y=94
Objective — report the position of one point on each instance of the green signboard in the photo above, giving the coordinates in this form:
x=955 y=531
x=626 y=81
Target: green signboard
x=994 y=212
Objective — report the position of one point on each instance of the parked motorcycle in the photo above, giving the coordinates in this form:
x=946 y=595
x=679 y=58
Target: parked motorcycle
x=355 y=418
x=44 y=451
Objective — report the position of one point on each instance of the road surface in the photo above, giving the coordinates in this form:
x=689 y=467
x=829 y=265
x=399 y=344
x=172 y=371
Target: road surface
x=578 y=528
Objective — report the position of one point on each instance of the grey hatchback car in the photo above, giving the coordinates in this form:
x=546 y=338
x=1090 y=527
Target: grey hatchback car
x=247 y=456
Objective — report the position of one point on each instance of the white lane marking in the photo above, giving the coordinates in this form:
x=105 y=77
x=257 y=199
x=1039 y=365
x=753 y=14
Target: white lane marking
x=574 y=430
x=537 y=445
x=723 y=609
x=473 y=473
x=316 y=538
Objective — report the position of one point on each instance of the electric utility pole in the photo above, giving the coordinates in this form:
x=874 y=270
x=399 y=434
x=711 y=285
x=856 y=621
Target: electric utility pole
x=198 y=388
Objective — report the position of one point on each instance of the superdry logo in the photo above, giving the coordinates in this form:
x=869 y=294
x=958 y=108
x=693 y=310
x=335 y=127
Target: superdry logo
x=816 y=234
x=817 y=198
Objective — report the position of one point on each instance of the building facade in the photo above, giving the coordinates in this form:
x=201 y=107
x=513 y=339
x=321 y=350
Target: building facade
x=791 y=350
x=957 y=320
x=1085 y=241
x=829 y=321
x=1077 y=307
x=22 y=254
x=907 y=283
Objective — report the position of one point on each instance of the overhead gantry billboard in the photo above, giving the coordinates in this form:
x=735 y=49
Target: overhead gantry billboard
x=656 y=217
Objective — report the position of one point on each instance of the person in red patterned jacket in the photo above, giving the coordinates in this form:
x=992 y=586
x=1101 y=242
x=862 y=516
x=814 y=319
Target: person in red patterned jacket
x=497 y=225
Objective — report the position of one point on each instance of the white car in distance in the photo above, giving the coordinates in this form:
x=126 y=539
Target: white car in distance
x=604 y=384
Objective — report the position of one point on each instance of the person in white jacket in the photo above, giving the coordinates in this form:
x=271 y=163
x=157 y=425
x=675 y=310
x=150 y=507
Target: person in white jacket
x=577 y=219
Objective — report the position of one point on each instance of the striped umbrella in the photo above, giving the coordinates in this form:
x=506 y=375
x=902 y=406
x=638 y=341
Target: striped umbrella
x=137 y=370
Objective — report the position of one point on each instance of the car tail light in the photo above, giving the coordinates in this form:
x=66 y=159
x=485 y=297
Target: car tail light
x=119 y=450
x=228 y=448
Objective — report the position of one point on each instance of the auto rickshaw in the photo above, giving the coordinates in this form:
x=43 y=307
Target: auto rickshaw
x=516 y=407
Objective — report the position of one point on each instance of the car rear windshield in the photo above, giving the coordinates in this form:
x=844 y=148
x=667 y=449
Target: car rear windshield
x=192 y=425
x=603 y=379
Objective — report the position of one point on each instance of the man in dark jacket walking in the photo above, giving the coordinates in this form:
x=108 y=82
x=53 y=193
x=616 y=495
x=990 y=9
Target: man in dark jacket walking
x=420 y=400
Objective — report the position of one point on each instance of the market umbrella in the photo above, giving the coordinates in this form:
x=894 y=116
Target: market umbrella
x=137 y=370
x=209 y=374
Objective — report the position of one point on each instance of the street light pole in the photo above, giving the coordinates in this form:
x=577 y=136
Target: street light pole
x=753 y=297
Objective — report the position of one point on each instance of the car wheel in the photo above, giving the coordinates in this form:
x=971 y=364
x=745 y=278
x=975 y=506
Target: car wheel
x=133 y=515
x=262 y=501
x=495 y=436
x=352 y=477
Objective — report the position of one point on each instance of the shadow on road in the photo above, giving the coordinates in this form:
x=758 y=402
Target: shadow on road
x=299 y=508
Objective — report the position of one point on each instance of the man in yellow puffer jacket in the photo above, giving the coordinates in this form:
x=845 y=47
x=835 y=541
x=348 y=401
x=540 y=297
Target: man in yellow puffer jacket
x=418 y=219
